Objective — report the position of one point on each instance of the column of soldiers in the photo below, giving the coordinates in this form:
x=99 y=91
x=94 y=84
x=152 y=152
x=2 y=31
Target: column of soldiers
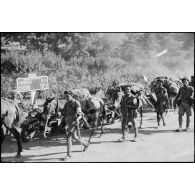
x=72 y=112
x=184 y=99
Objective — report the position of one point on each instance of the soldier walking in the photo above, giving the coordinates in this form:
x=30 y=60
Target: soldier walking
x=72 y=114
x=185 y=98
x=129 y=105
x=162 y=101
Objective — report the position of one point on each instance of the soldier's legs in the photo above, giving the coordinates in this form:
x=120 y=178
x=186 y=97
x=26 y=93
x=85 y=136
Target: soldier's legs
x=158 y=118
x=161 y=114
x=188 y=110
x=133 y=121
x=69 y=145
x=187 y=122
x=76 y=137
x=124 y=126
x=180 y=118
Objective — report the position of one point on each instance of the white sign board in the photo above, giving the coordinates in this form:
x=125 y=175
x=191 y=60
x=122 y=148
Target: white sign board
x=32 y=83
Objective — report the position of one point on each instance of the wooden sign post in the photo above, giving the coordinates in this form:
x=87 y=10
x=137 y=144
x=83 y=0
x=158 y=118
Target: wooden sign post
x=32 y=83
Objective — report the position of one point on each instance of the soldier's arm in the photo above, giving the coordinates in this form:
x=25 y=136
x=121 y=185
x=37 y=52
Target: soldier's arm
x=122 y=102
x=63 y=112
x=176 y=98
x=192 y=93
x=165 y=92
x=78 y=107
x=178 y=95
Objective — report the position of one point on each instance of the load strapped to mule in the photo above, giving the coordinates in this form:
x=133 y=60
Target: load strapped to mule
x=170 y=84
x=192 y=81
x=88 y=102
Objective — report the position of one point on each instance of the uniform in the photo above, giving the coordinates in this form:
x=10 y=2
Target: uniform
x=71 y=115
x=162 y=99
x=129 y=105
x=186 y=94
x=185 y=97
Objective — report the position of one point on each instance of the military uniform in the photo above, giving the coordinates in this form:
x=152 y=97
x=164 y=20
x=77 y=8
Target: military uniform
x=162 y=99
x=129 y=105
x=186 y=95
x=71 y=115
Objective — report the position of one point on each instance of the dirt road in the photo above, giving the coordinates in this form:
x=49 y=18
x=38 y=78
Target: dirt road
x=153 y=145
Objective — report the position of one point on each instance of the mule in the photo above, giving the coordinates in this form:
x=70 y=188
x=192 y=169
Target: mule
x=95 y=110
x=12 y=119
x=51 y=108
x=115 y=95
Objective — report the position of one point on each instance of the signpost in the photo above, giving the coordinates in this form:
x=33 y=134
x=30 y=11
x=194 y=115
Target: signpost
x=32 y=84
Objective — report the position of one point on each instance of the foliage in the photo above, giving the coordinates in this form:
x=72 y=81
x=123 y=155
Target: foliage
x=94 y=60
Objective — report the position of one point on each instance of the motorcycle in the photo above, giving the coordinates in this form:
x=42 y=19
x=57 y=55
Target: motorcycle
x=33 y=125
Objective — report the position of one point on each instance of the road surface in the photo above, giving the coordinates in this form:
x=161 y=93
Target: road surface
x=153 y=145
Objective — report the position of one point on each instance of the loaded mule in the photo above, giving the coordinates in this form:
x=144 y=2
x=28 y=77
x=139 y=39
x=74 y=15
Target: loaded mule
x=115 y=94
x=93 y=107
x=12 y=118
x=51 y=112
x=171 y=85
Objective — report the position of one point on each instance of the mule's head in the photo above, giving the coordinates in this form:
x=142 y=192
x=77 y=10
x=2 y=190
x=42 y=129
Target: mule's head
x=49 y=107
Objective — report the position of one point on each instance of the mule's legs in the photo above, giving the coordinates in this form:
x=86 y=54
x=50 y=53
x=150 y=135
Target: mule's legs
x=101 y=122
x=112 y=117
x=2 y=135
x=141 y=115
x=46 y=127
x=17 y=137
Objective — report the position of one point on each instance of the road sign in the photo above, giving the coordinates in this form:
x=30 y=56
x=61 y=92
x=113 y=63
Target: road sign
x=32 y=83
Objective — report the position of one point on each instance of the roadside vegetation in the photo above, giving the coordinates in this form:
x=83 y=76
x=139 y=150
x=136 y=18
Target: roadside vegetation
x=94 y=60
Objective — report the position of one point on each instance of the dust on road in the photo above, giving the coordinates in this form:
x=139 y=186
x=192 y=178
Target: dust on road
x=154 y=145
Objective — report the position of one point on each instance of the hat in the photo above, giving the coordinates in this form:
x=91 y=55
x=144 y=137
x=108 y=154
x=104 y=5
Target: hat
x=159 y=80
x=185 y=78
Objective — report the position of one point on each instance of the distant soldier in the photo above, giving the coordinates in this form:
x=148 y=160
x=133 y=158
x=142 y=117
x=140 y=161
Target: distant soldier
x=185 y=99
x=71 y=115
x=129 y=105
x=162 y=101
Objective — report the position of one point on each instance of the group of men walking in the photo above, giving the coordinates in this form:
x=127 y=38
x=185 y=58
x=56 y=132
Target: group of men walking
x=129 y=105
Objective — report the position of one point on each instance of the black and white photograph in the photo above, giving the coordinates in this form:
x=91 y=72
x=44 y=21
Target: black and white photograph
x=97 y=97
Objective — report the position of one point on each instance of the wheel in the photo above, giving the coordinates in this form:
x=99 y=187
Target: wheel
x=28 y=131
x=27 y=136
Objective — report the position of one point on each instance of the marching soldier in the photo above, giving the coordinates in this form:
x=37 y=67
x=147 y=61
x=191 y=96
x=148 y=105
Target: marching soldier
x=71 y=115
x=162 y=101
x=129 y=105
x=185 y=97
